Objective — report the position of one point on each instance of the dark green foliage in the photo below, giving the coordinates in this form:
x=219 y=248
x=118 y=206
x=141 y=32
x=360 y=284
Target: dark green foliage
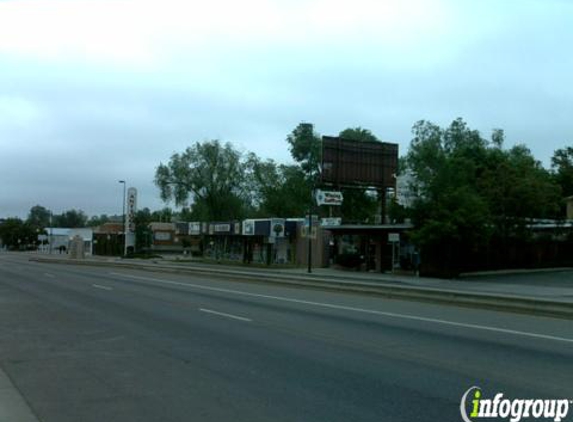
x=19 y=235
x=280 y=190
x=70 y=219
x=358 y=134
x=305 y=148
x=39 y=217
x=562 y=166
x=143 y=234
x=472 y=192
x=95 y=221
x=349 y=260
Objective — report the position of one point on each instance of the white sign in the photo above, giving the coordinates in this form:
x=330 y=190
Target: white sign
x=393 y=237
x=249 y=227
x=162 y=236
x=222 y=228
x=329 y=197
x=332 y=221
x=194 y=228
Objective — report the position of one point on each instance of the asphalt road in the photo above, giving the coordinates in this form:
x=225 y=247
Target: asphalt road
x=96 y=344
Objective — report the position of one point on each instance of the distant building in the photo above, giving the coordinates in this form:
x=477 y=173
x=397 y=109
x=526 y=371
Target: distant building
x=108 y=239
x=58 y=239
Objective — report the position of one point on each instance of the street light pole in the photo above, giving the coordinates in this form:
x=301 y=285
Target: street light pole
x=123 y=220
x=51 y=237
x=309 y=234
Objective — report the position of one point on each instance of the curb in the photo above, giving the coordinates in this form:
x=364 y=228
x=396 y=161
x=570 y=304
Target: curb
x=516 y=271
x=509 y=303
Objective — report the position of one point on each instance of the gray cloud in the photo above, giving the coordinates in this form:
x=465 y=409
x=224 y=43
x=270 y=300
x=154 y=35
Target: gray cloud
x=69 y=129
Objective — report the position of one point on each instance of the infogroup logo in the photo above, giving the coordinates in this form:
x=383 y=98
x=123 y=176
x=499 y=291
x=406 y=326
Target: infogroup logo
x=513 y=409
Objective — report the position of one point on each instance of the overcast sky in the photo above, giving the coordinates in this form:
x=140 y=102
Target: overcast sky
x=96 y=91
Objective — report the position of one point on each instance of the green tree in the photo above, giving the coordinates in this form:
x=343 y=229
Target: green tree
x=280 y=190
x=358 y=134
x=211 y=176
x=470 y=190
x=95 y=220
x=562 y=166
x=517 y=189
x=186 y=214
x=164 y=215
x=17 y=234
x=70 y=219
x=39 y=217
x=305 y=149
x=143 y=233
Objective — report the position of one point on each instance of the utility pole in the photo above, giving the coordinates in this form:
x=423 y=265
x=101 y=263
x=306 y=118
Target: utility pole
x=51 y=238
x=124 y=222
x=308 y=234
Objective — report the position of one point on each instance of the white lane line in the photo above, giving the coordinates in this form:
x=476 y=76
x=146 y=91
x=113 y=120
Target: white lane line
x=209 y=311
x=49 y=275
x=99 y=286
x=353 y=309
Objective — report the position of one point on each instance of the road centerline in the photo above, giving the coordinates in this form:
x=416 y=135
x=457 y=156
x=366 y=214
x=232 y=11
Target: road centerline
x=99 y=286
x=223 y=314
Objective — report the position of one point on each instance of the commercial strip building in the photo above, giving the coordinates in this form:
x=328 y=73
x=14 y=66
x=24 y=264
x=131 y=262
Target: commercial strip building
x=285 y=241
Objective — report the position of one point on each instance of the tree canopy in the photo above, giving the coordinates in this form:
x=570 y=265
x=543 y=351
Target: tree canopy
x=304 y=146
x=39 y=216
x=70 y=219
x=18 y=234
x=281 y=190
x=209 y=175
x=470 y=190
x=562 y=166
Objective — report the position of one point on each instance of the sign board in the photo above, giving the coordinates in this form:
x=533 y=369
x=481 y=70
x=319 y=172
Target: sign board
x=393 y=237
x=162 y=236
x=313 y=231
x=278 y=227
x=248 y=227
x=332 y=221
x=346 y=162
x=328 y=197
x=131 y=209
x=194 y=228
x=221 y=228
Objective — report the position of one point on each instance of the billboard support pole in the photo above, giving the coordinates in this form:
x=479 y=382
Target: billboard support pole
x=309 y=233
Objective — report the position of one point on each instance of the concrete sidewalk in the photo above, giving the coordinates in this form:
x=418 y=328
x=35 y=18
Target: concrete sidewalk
x=13 y=407
x=537 y=285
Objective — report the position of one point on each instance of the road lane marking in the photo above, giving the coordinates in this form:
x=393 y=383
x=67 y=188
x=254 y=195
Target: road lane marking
x=209 y=311
x=49 y=275
x=353 y=309
x=99 y=286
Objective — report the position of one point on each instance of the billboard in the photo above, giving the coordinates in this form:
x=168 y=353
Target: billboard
x=353 y=163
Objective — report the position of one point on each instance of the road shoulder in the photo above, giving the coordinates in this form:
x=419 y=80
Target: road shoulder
x=13 y=406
